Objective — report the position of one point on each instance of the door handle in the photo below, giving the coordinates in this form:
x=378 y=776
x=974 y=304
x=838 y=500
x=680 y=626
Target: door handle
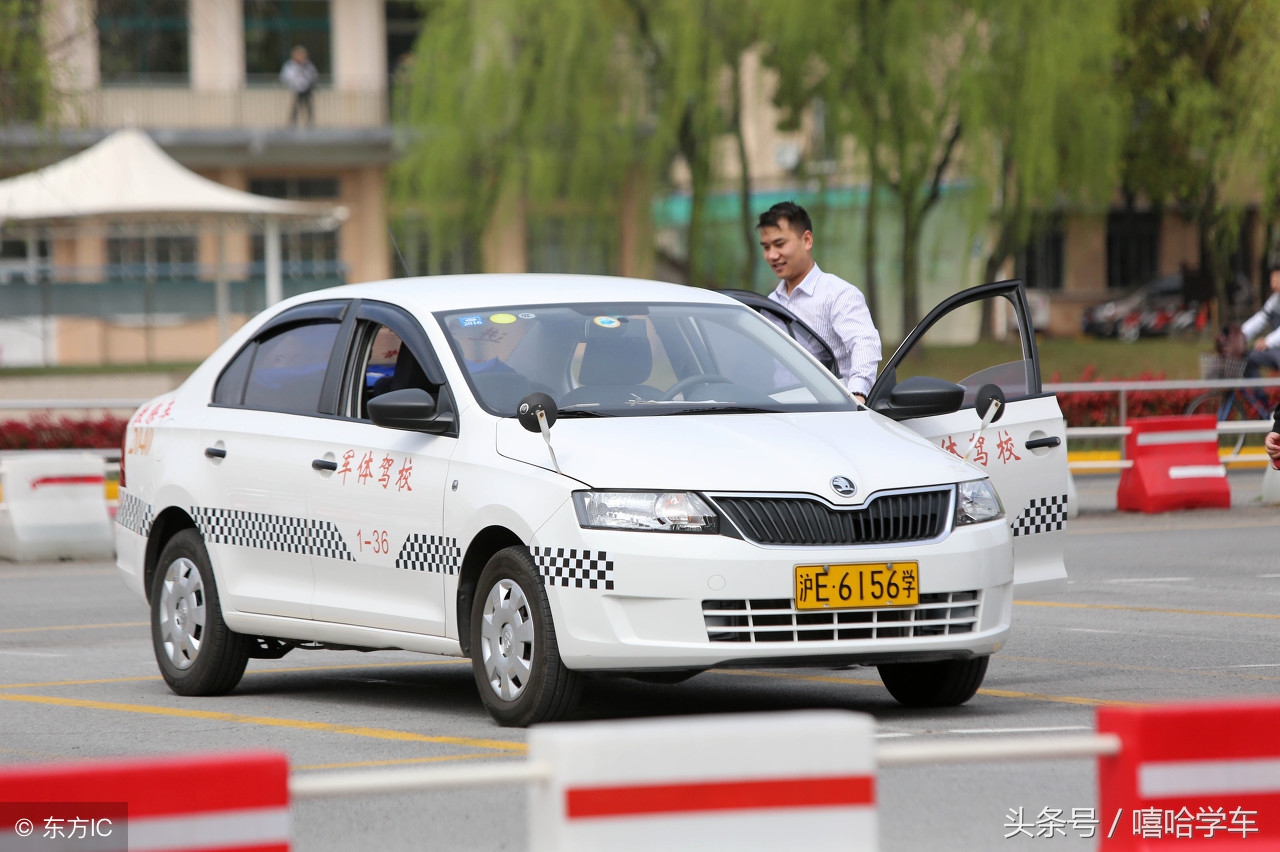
x=215 y=453
x=1037 y=443
x=322 y=464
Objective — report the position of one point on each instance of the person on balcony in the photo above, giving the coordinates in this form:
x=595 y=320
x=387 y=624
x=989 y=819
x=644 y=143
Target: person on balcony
x=300 y=75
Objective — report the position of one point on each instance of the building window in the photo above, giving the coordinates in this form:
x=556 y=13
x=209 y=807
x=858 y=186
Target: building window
x=272 y=28
x=1133 y=246
x=143 y=41
x=303 y=254
x=404 y=22
x=168 y=258
x=432 y=247
x=1039 y=264
x=17 y=267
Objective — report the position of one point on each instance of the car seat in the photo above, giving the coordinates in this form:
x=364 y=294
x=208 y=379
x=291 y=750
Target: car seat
x=615 y=362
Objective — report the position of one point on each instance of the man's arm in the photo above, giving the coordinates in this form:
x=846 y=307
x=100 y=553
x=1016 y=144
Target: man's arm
x=858 y=343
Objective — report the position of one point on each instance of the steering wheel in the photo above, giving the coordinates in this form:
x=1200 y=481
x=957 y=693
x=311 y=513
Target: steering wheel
x=690 y=382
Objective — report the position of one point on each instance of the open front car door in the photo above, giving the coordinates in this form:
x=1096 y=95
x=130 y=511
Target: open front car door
x=1006 y=425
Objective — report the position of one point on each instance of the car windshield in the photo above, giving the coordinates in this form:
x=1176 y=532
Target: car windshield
x=598 y=359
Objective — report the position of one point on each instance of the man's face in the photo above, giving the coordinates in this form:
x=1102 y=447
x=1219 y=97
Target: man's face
x=788 y=254
x=1275 y=281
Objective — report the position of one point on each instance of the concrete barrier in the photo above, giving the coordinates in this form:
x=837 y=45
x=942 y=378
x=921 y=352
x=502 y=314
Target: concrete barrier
x=52 y=506
x=1175 y=466
x=756 y=781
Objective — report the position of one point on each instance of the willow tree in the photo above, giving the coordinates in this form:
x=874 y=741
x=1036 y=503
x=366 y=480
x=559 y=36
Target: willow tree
x=1202 y=77
x=25 y=90
x=893 y=74
x=1047 y=116
x=558 y=102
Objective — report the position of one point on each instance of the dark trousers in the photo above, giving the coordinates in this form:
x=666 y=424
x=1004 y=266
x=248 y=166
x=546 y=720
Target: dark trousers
x=302 y=101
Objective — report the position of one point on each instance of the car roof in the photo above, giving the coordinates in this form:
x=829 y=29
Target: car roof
x=431 y=293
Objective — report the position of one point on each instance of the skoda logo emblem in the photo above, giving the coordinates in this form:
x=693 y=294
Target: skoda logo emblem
x=843 y=486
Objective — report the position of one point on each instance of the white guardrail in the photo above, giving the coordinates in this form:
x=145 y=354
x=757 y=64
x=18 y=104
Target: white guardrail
x=888 y=755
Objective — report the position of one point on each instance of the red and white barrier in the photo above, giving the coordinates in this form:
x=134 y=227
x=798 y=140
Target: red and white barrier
x=211 y=803
x=743 y=782
x=1201 y=775
x=1175 y=466
x=52 y=506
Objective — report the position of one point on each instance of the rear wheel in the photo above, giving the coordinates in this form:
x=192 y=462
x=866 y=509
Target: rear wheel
x=198 y=654
x=514 y=654
x=945 y=683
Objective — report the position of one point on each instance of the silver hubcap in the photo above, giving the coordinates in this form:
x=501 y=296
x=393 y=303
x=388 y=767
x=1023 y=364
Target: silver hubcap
x=182 y=613
x=506 y=640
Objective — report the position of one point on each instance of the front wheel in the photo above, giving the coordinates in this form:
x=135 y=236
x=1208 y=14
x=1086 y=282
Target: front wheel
x=514 y=654
x=945 y=683
x=1232 y=409
x=198 y=654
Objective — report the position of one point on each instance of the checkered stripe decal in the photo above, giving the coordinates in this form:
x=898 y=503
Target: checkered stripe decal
x=435 y=553
x=134 y=514
x=1045 y=514
x=580 y=569
x=271 y=532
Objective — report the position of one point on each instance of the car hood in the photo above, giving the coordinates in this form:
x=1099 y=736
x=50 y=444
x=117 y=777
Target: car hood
x=739 y=452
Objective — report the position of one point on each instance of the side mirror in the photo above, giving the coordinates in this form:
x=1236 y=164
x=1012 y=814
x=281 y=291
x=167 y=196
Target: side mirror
x=921 y=396
x=988 y=394
x=411 y=409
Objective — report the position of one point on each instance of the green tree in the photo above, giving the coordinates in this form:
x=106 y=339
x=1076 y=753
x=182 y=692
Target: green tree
x=1047 y=117
x=1201 y=74
x=25 y=90
x=892 y=73
x=557 y=101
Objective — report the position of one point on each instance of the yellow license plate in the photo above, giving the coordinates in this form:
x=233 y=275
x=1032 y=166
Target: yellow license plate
x=853 y=586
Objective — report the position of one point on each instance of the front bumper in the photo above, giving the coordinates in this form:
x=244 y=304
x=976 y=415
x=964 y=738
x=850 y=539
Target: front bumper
x=634 y=601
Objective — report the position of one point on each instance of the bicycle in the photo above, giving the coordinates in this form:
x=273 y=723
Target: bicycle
x=1229 y=404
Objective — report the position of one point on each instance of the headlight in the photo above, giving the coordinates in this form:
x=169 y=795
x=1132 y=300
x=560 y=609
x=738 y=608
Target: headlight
x=651 y=511
x=977 y=501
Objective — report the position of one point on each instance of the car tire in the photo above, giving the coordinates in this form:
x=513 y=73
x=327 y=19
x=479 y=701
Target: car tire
x=944 y=683
x=514 y=654
x=197 y=653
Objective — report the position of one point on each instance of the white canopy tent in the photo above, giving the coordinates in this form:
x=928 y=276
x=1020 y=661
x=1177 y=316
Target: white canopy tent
x=127 y=179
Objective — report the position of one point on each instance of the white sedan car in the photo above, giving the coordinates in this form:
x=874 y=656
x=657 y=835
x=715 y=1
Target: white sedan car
x=565 y=475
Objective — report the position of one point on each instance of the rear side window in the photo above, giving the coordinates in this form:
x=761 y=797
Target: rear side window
x=230 y=387
x=287 y=370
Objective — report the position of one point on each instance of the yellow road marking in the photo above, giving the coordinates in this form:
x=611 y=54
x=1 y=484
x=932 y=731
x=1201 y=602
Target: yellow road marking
x=1064 y=605
x=269 y=721
x=402 y=762
x=73 y=627
x=1129 y=667
x=247 y=673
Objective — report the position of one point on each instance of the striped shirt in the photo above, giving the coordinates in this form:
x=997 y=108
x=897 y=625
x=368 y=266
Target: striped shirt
x=837 y=312
x=1267 y=318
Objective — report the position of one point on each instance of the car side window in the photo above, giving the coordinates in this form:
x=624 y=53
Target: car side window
x=230 y=387
x=380 y=363
x=1007 y=363
x=288 y=368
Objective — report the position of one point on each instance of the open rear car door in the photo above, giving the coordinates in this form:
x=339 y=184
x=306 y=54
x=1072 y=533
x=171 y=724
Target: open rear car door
x=1023 y=447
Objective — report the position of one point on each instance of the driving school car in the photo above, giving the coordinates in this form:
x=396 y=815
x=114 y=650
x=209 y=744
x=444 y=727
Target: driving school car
x=566 y=475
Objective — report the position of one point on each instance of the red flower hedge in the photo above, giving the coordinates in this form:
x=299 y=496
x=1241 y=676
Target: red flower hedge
x=1102 y=408
x=44 y=432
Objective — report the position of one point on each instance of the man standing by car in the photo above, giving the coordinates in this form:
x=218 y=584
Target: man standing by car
x=831 y=306
x=1266 y=349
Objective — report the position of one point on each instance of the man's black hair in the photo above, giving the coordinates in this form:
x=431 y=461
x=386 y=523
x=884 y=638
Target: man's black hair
x=789 y=210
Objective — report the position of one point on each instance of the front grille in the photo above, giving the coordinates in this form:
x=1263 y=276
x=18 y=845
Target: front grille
x=777 y=620
x=887 y=519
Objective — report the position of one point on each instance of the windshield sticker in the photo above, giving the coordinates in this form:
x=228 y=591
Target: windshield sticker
x=526 y=315
x=607 y=322
x=502 y=319
x=470 y=320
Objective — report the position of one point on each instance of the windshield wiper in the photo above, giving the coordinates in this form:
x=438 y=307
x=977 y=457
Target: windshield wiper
x=573 y=411
x=724 y=408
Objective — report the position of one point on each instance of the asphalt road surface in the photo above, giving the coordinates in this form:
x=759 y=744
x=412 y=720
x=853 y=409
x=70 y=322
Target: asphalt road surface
x=1158 y=608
